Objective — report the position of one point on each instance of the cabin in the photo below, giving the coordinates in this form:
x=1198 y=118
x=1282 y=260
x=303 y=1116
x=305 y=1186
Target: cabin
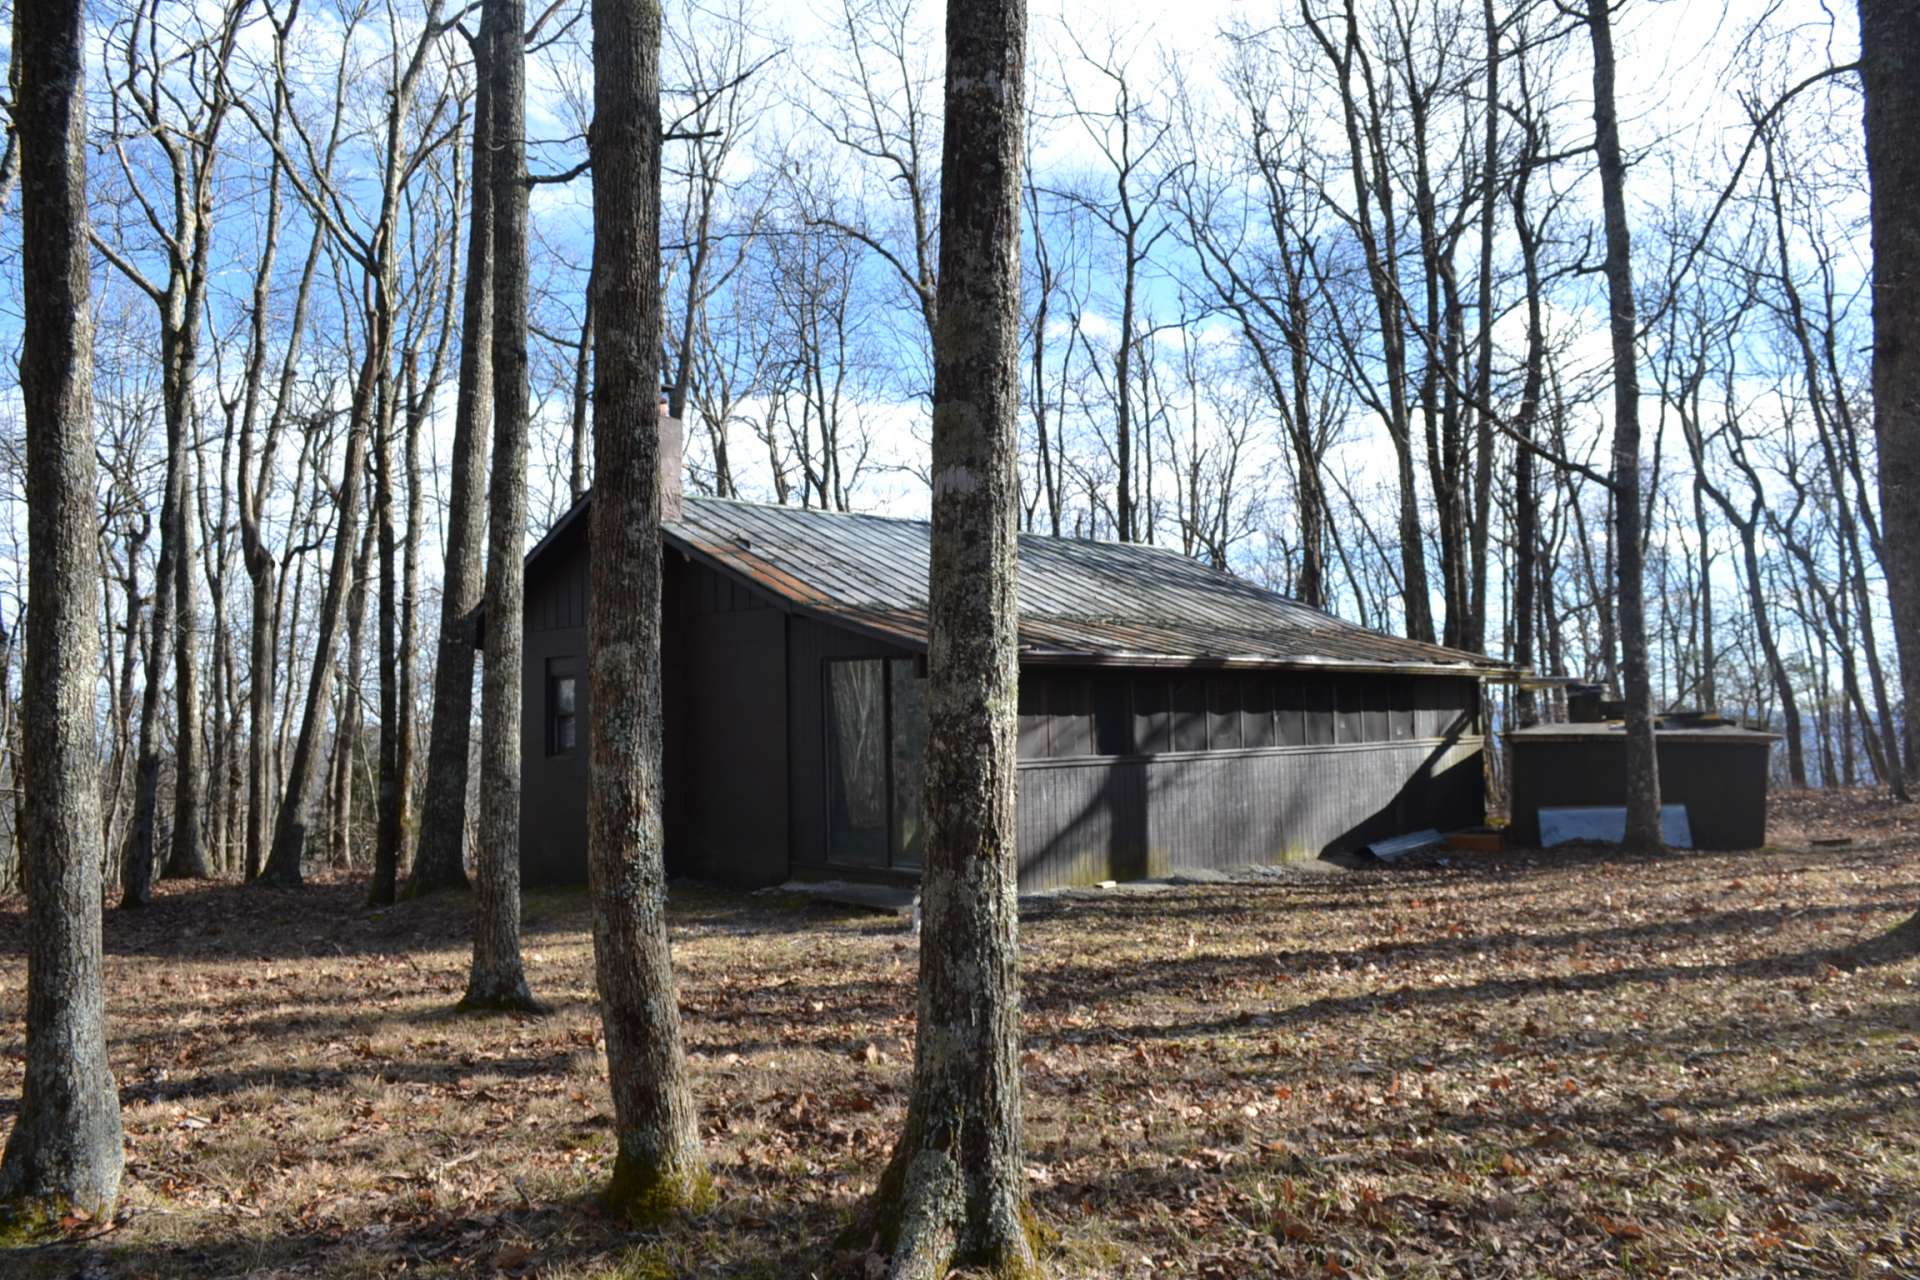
x=1171 y=716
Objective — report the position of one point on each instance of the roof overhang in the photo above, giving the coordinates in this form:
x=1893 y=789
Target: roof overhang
x=907 y=629
x=1256 y=662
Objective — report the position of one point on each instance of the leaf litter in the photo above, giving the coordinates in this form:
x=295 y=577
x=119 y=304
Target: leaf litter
x=1516 y=1065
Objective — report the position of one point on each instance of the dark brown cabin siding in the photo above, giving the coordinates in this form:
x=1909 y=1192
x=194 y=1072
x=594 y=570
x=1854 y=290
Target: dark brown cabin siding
x=553 y=784
x=1221 y=770
x=726 y=749
x=1123 y=773
x=724 y=683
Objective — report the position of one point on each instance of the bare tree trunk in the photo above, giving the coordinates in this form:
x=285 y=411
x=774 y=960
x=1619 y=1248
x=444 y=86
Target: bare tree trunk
x=216 y=527
x=407 y=745
x=64 y=1152
x=1481 y=509
x=658 y=1171
x=1890 y=74
x=137 y=859
x=954 y=1192
x=1763 y=625
x=283 y=868
x=440 y=862
x=497 y=979
x=262 y=784
x=186 y=857
x=1376 y=224
x=111 y=825
x=351 y=717
x=388 y=786
x=582 y=374
x=190 y=147
x=1526 y=498
x=1643 y=771
x=377 y=256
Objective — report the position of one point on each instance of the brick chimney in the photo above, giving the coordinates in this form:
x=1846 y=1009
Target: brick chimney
x=673 y=444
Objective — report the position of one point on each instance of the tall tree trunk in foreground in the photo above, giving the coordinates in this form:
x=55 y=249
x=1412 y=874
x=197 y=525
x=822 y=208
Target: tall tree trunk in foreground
x=497 y=979
x=64 y=1152
x=657 y=1171
x=954 y=1192
x=1643 y=773
x=1890 y=74
x=439 y=862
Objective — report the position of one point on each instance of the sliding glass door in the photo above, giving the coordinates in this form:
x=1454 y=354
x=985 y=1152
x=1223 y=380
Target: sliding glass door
x=876 y=759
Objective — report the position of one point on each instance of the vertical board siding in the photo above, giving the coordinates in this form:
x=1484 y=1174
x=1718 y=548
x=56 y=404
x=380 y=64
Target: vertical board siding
x=1122 y=774
x=1082 y=821
x=726 y=759
x=553 y=787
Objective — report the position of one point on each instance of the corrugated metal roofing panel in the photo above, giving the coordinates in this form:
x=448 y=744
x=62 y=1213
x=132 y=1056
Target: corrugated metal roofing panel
x=1079 y=600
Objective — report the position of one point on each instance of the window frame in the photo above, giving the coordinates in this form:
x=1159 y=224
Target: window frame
x=559 y=670
x=895 y=845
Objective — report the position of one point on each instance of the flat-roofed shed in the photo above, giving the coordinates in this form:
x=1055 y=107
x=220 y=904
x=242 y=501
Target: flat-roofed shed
x=1718 y=771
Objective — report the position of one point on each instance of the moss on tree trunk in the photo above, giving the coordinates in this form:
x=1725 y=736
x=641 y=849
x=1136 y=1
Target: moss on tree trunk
x=658 y=1170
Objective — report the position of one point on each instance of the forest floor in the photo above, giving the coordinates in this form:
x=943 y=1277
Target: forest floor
x=1515 y=1065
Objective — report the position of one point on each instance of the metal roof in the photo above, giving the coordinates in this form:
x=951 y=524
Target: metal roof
x=1080 y=600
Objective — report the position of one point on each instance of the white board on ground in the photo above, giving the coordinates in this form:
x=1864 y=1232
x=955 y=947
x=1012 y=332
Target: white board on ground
x=1607 y=824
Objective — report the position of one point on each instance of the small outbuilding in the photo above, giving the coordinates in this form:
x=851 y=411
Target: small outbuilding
x=1717 y=770
x=1172 y=716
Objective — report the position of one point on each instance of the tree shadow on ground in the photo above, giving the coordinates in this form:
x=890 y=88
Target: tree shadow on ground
x=535 y=1239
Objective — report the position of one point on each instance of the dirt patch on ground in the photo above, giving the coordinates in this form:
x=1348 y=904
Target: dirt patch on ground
x=1516 y=1065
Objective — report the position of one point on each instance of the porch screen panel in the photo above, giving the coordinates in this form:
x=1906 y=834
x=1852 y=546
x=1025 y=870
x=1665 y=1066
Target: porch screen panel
x=857 y=761
x=908 y=742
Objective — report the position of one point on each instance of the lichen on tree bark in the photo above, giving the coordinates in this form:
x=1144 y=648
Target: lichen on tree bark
x=497 y=978
x=64 y=1153
x=658 y=1170
x=954 y=1192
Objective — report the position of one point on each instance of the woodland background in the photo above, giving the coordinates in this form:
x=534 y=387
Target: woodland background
x=1312 y=292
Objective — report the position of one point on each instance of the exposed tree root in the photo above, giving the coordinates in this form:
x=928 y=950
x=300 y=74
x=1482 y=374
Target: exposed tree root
x=650 y=1195
x=919 y=1220
x=502 y=998
x=273 y=878
x=926 y=1218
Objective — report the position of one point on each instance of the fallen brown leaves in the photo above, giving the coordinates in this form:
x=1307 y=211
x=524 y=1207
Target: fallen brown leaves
x=1520 y=1065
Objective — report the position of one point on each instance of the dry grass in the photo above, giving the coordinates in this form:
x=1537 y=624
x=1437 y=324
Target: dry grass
x=1514 y=1066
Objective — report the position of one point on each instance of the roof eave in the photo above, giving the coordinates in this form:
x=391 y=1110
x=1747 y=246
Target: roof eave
x=1061 y=657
